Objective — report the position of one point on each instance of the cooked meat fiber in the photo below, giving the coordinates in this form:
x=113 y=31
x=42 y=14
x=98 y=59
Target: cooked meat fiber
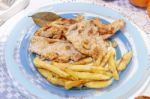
x=54 y=49
x=85 y=38
x=51 y=31
x=88 y=36
x=107 y=30
x=55 y=29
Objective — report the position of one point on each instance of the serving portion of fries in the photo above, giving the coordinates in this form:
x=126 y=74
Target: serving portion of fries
x=86 y=72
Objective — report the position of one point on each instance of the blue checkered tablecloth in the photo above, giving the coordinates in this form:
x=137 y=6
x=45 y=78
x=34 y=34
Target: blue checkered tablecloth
x=126 y=4
x=7 y=88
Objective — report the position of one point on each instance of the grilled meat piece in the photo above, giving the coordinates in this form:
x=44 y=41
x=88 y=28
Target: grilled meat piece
x=54 y=49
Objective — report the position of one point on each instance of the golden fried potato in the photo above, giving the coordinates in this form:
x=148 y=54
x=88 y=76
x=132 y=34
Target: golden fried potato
x=117 y=62
x=124 y=61
x=49 y=76
x=106 y=58
x=83 y=61
x=98 y=61
x=98 y=84
x=73 y=75
x=91 y=76
x=57 y=81
x=71 y=84
x=92 y=69
x=107 y=73
x=41 y=64
x=86 y=68
x=69 y=65
x=45 y=72
x=112 y=66
x=91 y=64
x=62 y=65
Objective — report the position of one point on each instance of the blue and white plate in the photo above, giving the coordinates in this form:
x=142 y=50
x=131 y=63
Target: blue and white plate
x=21 y=69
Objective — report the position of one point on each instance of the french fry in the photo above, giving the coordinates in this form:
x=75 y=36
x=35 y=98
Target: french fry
x=112 y=66
x=56 y=81
x=91 y=76
x=107 y=73
x=45 y=73
x=73 y=75
x=98 y=84
x=98 y=61
x=83 y=61
x=90 y=64
x=124 y=61
x=62 y=65
x=92 y=69
x=68 y=65
x=41 y=64
x=86 y=68
x=117 y=63
x=71 y=84
x=95 y=69
x=106 y=58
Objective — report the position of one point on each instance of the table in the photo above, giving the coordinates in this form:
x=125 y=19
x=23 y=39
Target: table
x=7 y=90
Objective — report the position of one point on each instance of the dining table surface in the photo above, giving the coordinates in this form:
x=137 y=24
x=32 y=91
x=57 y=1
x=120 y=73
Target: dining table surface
x=136 y=15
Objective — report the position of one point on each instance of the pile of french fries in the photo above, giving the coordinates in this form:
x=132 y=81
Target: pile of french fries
x=87 y=72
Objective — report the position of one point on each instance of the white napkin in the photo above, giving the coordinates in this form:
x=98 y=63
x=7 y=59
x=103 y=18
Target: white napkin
x=5 y=4
x=8 y=10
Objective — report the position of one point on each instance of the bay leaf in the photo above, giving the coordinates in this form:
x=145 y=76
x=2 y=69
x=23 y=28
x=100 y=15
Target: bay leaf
x=42 y=18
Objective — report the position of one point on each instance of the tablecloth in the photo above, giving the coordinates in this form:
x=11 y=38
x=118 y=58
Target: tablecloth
x=7 y=88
